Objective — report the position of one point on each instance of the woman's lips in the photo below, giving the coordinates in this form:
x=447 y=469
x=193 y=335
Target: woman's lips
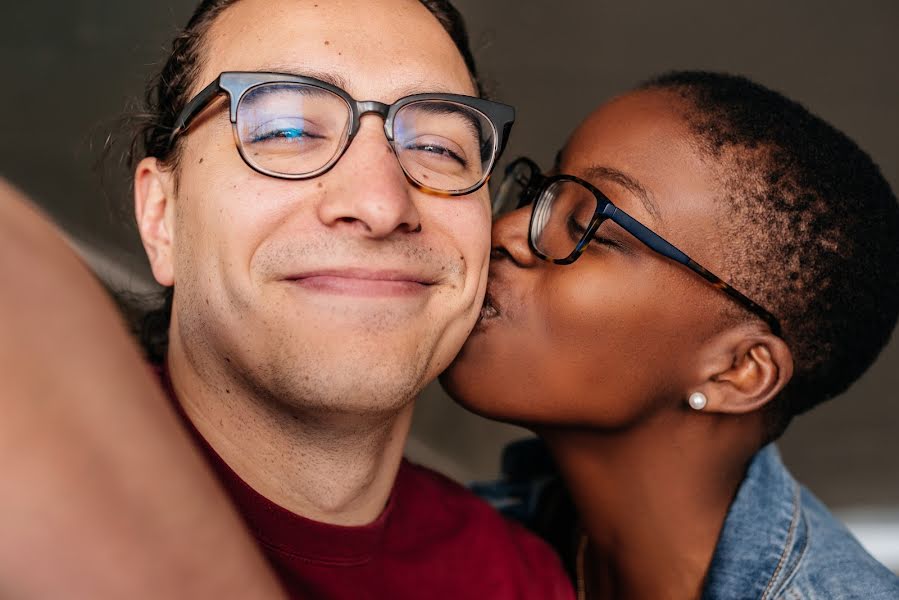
x=489 y=310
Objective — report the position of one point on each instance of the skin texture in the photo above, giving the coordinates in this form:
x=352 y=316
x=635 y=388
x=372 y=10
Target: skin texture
x=87 y=444
x=306 y=387
x=599 y=358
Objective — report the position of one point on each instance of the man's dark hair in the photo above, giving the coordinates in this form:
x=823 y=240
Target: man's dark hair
x=812 y=228
x=167 y=95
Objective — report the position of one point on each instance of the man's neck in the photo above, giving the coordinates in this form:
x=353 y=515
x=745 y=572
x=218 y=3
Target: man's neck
x=652 y=503
x=333 y=468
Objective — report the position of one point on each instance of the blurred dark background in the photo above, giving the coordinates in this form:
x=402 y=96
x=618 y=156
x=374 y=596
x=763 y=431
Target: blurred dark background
x=70 y=69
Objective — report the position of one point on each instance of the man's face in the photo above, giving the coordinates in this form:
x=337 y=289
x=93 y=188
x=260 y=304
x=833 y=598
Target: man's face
x=351 y=290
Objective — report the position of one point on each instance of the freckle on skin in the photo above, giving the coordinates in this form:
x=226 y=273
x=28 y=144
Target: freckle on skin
x=320 y=185
x=200 y=161
x=327 y=43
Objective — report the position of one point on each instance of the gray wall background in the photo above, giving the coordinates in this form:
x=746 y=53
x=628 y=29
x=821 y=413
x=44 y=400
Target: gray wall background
x=69 y=68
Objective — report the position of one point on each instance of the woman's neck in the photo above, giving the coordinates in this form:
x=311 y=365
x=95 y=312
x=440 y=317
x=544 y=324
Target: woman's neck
x=652 y=501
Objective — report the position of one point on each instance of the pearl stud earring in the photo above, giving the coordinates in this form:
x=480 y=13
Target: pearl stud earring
x=698 y=401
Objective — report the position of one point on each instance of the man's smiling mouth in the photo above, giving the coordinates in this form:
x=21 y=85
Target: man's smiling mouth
x=363 y=282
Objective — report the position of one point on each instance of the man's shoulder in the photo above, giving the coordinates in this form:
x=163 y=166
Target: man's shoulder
x=468 y=527
x=428 y=488
x=834 y=564
x=431 y=481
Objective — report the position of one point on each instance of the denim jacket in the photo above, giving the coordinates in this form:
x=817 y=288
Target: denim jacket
x=778 y=541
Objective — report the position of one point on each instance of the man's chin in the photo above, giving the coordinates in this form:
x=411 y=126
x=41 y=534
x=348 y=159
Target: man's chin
x=343 y=374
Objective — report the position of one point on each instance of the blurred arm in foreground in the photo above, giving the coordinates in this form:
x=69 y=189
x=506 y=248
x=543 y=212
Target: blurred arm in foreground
x=103 y=495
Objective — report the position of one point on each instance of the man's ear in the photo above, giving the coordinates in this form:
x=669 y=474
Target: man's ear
x=154 y=209
x=744 y=368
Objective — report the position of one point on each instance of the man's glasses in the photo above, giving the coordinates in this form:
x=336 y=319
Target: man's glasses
x=295 y=127
x=566 y=213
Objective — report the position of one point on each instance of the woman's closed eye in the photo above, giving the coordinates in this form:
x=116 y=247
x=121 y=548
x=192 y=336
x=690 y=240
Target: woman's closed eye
x=577 y=231
x=604 y=241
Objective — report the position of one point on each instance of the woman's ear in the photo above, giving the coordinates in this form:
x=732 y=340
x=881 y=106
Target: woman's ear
x=744 y=369
x=154 y=209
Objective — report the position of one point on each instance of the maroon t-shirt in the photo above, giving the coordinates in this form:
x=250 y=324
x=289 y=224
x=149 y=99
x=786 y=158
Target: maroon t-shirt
x=434 y=540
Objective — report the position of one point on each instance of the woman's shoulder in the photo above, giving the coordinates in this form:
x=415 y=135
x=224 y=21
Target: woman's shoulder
x=780 y=542
x=834 y=564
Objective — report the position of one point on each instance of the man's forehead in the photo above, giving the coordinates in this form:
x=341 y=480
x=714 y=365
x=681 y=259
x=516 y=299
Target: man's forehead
x=403 y=85
x=371 y=52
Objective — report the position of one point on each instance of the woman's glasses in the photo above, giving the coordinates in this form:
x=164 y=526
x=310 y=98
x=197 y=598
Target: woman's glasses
x=295 y=127
x=566 y=213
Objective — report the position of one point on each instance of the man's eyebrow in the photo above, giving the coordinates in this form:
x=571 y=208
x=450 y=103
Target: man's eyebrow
x=328 y=77
x=604 y=173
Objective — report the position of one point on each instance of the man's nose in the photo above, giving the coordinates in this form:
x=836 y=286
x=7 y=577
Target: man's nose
x=367 y=188
x=510 y=238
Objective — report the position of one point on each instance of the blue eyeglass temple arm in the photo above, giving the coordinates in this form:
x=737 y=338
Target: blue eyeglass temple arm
x=657 y=244
x=532 y=179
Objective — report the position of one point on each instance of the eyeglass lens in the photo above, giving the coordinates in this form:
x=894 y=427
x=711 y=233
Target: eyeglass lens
x=561 y=218
x=292 y=129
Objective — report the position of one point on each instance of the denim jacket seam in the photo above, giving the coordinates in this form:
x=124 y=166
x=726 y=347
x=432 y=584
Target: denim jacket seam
x=794 y=522
x=793 y=594
x=793 y=589
x=789 y=580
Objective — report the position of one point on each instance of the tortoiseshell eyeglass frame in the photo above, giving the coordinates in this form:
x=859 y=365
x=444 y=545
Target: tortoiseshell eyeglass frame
x=535 y=184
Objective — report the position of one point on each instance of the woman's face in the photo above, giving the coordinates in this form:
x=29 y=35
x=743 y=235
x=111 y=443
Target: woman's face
x=610 y=340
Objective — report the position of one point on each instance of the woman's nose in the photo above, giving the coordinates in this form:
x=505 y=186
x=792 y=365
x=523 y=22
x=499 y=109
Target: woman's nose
x=510 y=238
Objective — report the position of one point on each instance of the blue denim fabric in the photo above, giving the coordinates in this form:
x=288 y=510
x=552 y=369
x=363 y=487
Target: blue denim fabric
x=779 y=542
x=527 y=469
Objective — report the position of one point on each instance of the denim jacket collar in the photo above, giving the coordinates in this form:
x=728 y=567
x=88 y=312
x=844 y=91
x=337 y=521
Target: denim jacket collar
x=764 y=534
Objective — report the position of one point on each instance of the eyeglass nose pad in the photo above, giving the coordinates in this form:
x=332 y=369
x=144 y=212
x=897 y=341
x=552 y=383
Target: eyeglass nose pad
x=509 y=196
x=516 y=189
x=528 y=191
x=368 y=107
x=372 y=106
